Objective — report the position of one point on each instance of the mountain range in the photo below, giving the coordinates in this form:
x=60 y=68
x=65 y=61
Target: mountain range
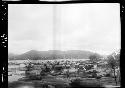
x=51 y=54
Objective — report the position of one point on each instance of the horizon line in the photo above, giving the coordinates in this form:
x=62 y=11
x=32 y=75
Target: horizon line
x=62 y=50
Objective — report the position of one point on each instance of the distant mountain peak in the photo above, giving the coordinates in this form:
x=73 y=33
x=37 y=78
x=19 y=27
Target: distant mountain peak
x=54 y=54
x=33 y=51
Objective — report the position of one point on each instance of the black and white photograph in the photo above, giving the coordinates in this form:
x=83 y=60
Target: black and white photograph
x=64 y=45
x=41 y=0
x=58 y=0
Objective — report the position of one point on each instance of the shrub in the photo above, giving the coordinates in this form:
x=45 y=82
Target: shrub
x=79 y=83
x=108 y=75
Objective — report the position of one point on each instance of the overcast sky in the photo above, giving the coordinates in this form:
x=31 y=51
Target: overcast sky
x=94 y=27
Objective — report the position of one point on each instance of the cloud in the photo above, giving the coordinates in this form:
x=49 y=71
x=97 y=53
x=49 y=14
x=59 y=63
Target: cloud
x=93 y=27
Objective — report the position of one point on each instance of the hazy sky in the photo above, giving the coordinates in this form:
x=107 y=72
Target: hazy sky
x=94 y=27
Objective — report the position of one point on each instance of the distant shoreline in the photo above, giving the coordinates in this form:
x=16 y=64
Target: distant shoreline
x=51 y=60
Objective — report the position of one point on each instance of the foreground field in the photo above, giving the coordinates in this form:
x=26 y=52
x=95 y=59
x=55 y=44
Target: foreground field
x=63 y=81
x=56 y=82
x=59 y=73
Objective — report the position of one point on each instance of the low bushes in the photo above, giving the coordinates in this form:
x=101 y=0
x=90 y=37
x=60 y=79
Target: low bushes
x=82 y=83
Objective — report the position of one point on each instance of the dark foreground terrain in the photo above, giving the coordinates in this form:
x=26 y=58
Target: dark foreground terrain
x=53 y=82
